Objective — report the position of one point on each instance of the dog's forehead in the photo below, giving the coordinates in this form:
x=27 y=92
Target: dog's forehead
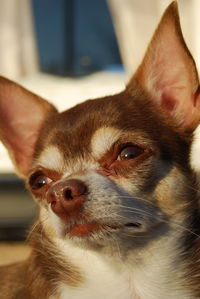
x=79 y=124
x=92 y=126
x=77 y=134
x=54 y=157
x=87 y=131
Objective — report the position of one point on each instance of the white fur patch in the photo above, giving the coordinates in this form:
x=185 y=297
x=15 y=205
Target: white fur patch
x=51 y=158
x=101 y=279
x=153 y=277
x=103 y=139
x=195 y=151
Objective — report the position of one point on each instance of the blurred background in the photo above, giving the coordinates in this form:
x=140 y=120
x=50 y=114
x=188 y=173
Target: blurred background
x=68 y=51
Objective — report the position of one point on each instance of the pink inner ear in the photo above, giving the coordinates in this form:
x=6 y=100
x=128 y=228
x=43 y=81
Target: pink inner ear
x=168 y=103
x=20 y=140
x=20 y=123
x=23 y=162
x=23 y=150
x=169 y=74
x=172 y=95
x=182 y=106
x=22 y=114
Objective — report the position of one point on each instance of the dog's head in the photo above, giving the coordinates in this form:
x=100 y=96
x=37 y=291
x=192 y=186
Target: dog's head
x=114 y=169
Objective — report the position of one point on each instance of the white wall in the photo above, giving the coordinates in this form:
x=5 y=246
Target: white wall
x=136 y=20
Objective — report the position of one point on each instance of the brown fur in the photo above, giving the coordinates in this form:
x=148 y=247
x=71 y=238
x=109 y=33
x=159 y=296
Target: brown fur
x=30 y=278
x=158 y=185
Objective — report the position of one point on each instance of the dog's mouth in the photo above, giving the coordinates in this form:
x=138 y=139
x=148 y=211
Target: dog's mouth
x=86 y=229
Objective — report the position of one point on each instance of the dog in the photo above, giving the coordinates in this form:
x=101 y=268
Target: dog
x=118 y=198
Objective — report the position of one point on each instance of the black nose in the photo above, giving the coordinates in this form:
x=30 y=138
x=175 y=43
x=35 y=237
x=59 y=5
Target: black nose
x=67 y=197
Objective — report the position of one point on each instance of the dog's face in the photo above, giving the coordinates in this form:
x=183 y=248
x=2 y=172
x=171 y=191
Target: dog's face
x=103 y=176
x=112 y=171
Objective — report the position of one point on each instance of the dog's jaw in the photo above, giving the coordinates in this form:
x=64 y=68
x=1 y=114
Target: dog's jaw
x=137 y=277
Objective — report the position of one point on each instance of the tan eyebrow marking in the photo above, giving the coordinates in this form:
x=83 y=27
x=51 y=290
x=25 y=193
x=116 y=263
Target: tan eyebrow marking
x=51 y=158
x=103 y=139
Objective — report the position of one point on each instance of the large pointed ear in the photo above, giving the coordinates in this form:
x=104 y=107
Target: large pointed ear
x=168 y=72
x=22 y=114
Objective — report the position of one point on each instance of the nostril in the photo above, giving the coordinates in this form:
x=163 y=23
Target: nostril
x=68 y=194
x=51 y=198
x=73 y=189
x=54 y=203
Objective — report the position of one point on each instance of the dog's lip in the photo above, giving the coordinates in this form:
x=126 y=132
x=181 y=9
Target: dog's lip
x=120 y=226
x=85 y=229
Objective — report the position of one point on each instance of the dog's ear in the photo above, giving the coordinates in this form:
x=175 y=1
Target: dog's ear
x=169 y=74
x=22 y=114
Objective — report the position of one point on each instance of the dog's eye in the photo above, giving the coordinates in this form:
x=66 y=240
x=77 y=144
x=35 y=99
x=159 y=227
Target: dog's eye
x=130 y=152
x=38 y=181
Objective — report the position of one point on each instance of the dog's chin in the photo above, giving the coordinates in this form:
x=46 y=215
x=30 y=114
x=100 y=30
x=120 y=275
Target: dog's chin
x=87 y=229
x=88 y=233
x=109 y=238
x=97 y=236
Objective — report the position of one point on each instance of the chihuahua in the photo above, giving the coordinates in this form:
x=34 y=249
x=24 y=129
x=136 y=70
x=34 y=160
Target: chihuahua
x=118 y=198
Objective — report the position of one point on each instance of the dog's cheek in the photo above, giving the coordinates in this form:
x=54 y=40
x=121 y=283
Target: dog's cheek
x=136 y=178
x=40 y=199
x=170 y=194
x=148 y=177
x=51 y=224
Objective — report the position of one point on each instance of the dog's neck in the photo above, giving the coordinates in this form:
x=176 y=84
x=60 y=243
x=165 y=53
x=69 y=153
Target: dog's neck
x=156 y=271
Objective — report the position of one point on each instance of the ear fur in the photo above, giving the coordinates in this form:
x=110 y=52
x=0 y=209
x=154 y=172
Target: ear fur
x=168 y=72
x=22 y=114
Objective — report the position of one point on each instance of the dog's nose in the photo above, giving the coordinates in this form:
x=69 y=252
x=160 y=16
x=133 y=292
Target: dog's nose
x=67 y=197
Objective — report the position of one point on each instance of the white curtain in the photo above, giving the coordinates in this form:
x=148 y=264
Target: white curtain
x=136 y=20
x=18 y=55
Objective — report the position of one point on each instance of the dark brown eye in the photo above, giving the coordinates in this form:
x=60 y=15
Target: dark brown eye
x=130 y=152
x=39 y=180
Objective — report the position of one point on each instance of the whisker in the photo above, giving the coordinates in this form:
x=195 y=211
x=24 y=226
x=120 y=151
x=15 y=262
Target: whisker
x=114 y=214
x=193 y=188
x=171 y=222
